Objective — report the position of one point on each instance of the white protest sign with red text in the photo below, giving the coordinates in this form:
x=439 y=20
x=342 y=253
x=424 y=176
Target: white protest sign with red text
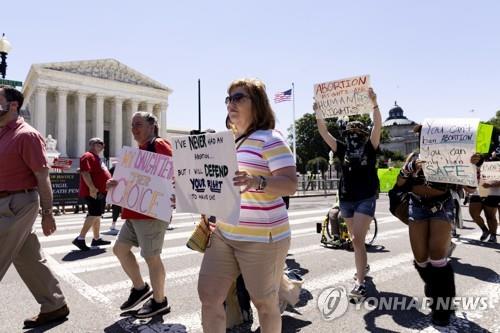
x=343 y=97
x=144 y=183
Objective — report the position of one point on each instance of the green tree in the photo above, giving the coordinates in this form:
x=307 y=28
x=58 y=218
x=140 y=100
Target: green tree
x=495 y=121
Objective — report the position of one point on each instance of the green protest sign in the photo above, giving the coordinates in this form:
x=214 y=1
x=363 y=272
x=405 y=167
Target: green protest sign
x=387 y=178
x=483 y=140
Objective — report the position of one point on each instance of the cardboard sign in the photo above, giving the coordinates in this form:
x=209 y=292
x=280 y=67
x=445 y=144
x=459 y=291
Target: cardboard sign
x=490 y=173
x=446 y=146
x=204 y=168
x=343 y=97
x=144 y=183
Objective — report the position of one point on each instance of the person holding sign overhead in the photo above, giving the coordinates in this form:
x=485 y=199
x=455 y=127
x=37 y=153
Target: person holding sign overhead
x=431 y=214
x=358 y=184
x=145 y=232
x=257 y=244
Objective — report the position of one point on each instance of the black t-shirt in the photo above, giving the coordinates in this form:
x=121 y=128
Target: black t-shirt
x=359 y=179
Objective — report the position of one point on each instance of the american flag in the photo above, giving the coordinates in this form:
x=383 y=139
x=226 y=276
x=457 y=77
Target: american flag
x=283 y=96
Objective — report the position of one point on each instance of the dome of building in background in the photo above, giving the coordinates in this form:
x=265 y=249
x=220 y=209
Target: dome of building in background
x=400 y=128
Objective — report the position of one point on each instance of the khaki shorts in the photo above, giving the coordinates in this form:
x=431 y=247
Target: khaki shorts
x=146 y=234
x=261 y=264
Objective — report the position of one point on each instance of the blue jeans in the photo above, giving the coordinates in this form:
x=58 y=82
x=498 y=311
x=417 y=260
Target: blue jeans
x=418 y=212
x=364 y=206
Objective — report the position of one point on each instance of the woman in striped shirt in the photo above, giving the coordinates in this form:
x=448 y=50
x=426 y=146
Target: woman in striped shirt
x=255 y=246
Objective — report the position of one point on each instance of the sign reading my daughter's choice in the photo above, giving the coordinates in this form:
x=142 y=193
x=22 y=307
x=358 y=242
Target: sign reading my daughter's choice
x=204 y=168
x=144 y=183
x=446 y=146
x=343 y=97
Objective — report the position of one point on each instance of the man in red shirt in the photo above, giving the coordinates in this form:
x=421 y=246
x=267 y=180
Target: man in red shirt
x=93 y=177
x=144 y=232
x=24 y=186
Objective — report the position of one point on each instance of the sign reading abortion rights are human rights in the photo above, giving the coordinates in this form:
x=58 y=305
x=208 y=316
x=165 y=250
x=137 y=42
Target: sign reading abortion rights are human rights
x=343 y=97
x=446 y=146
x=144 y=183
x=204 y=169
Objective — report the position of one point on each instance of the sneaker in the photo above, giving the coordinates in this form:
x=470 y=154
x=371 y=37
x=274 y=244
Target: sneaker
x=484 y=235
x=80 y=243
x=358 y=293
x=113 y=231
x=367 y=270
x=151 y=308
x=100 y=241
x=47 y=317
x=136 y=296
x=493 y=238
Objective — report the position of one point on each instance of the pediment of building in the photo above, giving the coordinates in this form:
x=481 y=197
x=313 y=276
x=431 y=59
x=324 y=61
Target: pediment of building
x=107 y=69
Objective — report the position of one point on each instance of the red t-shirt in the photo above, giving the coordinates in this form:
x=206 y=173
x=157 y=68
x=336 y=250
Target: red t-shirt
x=92 y=163
x=162 y=146
x=22 y=152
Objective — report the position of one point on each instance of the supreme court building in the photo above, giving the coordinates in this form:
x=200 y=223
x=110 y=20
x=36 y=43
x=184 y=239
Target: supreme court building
x=77 y=100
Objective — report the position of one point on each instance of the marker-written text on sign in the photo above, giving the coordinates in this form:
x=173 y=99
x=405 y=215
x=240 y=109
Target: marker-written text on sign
x=343 y=97
x=144 y=183
x=204 y=167
x=446 y=146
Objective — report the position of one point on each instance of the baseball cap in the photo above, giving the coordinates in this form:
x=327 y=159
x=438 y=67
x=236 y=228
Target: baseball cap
x=356 y=126
x=95 y=140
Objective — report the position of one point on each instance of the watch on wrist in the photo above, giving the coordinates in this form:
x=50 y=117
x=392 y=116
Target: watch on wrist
x=47 y=211
x=262 y=183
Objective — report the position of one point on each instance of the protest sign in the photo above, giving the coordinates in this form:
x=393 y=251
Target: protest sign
x=446 y=146
x=204 y=168
x=484 y=132
x=65 y=188
x=144 y=183
x=343 y=97
x=490 y=173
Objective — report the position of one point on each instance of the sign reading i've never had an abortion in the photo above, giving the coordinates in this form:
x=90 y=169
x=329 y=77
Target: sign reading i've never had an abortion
x=343 y=97
x=446 y=146
x=144 y=183
x=204 y=168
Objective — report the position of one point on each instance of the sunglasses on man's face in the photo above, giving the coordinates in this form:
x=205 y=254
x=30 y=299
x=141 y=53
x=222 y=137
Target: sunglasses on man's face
x=235 y=98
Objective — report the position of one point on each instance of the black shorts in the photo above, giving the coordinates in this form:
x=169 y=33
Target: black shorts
x=489 y=201
x=97 y=206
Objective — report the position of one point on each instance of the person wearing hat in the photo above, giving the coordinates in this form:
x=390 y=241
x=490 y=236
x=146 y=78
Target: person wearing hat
x=93 y=177
x=358 y=185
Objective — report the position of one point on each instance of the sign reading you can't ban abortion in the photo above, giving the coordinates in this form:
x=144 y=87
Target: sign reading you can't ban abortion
x=144 y=183
x=343 y=97
x=446 y=146
x=204 y=168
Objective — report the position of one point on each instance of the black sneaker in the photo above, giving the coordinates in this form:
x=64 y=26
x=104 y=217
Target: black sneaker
x=358 y=293
x=136 y=296
x=493 y=238
x=151 y=308
x=80 y=243
x=100 y=241
x=484 y=235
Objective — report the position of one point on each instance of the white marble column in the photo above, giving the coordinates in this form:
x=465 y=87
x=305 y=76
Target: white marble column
x=149 y=107
x=41 y=110
x=81 y=120
x=134 y=107
x=62 y=107
x=99 y=116
x=163 y=119
x=117 y=126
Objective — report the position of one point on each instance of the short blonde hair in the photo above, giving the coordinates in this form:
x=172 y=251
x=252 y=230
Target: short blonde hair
x=262 y=114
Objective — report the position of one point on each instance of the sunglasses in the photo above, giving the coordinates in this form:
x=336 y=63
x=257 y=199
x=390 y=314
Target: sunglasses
x=235 y=98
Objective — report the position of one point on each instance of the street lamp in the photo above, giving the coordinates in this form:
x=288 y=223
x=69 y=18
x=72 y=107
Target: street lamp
x=5 y=48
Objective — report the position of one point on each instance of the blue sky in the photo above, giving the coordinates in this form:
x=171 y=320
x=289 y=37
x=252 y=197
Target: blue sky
x=436 y=58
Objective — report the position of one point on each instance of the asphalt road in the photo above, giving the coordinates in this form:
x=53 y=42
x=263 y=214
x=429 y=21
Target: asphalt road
x=95 y=284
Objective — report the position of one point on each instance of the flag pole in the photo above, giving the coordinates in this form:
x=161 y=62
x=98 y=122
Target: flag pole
x=293 y=124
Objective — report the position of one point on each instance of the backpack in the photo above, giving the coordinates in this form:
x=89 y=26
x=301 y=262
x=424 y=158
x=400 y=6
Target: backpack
x=399 y=198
